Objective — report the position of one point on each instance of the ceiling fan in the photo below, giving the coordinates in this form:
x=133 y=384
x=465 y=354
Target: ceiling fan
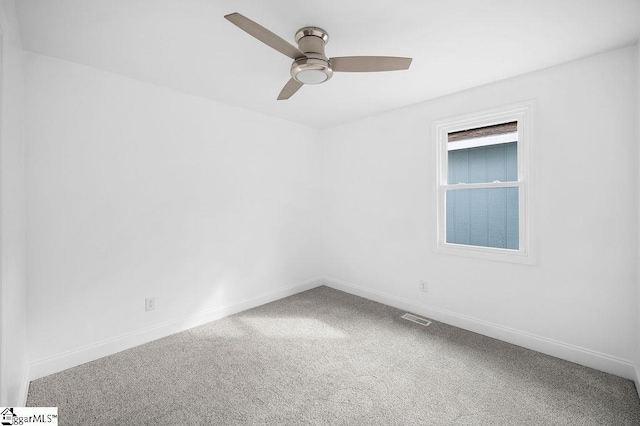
x=310 y=64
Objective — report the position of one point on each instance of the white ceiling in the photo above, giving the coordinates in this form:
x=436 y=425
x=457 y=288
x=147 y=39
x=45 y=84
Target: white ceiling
x=186 y=45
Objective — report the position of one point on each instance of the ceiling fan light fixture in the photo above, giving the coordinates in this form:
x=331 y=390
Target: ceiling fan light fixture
x=310 y=64
x=311 y=76
x=311 y=70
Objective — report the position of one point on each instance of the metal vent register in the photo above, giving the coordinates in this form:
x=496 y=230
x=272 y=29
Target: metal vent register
x=416 y=319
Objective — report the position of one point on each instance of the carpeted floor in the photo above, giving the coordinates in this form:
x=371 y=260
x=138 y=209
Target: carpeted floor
x=327 y=357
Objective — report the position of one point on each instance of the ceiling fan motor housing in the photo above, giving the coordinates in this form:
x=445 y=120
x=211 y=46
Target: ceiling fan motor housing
x=314 y=67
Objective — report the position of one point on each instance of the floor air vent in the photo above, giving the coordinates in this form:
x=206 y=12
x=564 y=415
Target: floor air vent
x=417 y=320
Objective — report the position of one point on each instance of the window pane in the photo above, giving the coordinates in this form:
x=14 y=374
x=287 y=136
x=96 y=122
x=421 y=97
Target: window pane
x=483 y=217
x=484 y=164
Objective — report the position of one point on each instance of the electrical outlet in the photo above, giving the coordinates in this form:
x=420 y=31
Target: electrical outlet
x=424 y=287
x=149 y=303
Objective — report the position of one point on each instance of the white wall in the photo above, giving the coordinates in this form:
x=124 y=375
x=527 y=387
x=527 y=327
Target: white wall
x=13 y=354
x=135 y=190
x=637 y=378
x=579 y=300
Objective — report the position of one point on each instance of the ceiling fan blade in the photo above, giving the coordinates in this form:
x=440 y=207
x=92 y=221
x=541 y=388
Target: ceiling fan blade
x=369 y=63
x=264 y=35
x=289 y=89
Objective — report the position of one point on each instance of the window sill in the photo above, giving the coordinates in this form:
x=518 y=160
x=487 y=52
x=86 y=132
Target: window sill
x=487 y=253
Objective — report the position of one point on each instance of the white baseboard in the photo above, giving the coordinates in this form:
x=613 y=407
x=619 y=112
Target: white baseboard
x=78 y=356
x=15 y=394
x=24 y=388
x=636 y=379
x=599 y=361
x=589 y=358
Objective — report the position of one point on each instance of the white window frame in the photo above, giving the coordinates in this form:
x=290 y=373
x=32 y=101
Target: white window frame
x=522 y=114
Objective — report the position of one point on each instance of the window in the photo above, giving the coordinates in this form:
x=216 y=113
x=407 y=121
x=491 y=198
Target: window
x=483 y=180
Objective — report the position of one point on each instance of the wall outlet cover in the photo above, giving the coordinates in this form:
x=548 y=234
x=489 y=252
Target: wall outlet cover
x=149 y=303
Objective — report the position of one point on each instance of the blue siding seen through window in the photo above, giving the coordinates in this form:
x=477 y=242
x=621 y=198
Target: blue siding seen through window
x=483 y=217
x=484 y=164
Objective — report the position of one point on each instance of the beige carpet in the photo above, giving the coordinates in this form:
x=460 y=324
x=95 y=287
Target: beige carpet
x=327 y=357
